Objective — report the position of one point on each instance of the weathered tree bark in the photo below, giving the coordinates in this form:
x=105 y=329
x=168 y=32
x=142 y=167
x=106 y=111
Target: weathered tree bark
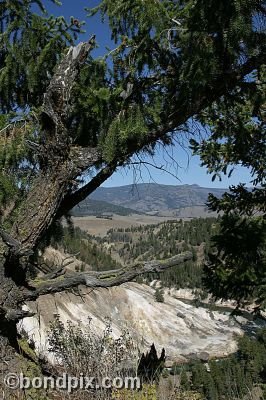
x=105 y=279
x=60 y=164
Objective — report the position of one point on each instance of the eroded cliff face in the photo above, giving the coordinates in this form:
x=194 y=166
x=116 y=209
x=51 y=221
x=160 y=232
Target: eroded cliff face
x=180 y=328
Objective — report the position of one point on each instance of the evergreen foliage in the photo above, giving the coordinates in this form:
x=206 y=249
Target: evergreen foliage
x=150 y=365
x=235 y=377
x=31 y=44
x=98 y=208
x=85 y=249
x=145 y=243
x=240 y=245
x=166 y=240
x=238 y=136
x=158 y=295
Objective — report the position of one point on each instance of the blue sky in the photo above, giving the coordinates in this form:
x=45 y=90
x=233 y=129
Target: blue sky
x=189 y=170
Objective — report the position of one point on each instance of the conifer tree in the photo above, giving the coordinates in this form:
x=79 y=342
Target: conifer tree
x=158 y=295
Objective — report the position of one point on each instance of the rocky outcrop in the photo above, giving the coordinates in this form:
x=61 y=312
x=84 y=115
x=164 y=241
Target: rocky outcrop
x=182 y=329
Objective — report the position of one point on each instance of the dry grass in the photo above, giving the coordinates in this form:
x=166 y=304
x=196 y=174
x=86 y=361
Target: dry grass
x=99 y=227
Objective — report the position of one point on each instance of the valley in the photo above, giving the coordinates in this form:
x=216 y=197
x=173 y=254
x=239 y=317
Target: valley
x=173 y=310
x=186 y=322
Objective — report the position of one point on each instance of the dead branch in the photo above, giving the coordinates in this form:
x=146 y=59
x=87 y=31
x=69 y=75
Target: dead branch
x=105 y=279
x=58 y=93
x=158 y=167
x=61 y=270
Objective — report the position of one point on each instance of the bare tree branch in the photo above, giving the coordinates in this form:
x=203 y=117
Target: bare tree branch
x=56 y=99
x=159 y=167
x=105 y=279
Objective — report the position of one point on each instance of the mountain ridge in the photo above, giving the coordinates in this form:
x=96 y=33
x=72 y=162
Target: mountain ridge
x=153 y=197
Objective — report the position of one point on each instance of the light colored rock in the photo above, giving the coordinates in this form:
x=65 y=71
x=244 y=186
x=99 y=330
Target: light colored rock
x=178 y=327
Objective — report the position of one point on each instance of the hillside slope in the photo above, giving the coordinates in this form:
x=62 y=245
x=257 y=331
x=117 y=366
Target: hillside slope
x=183 y=330
x=99 y=207
x=151 y=197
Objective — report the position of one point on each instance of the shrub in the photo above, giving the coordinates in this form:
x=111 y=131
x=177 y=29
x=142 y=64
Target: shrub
x=93 y=355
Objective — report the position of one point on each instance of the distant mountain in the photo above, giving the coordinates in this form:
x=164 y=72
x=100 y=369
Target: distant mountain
x=99 y=207
x=152 y=197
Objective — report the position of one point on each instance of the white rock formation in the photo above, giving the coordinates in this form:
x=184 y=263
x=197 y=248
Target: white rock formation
x=180 y=328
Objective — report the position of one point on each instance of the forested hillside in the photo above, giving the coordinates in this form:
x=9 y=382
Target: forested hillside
x=99 y=207
x=164 y=241
x=161 y=241
x=239 y=376
x=138 y=244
